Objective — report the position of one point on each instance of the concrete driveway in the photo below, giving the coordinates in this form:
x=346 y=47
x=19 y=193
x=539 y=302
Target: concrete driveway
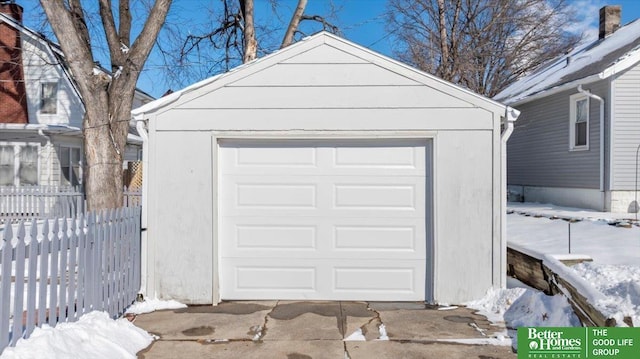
x=305 y=330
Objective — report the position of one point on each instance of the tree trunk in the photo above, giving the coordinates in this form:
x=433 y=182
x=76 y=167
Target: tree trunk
x=250 y=42
x=293 y=24
x=107 y=99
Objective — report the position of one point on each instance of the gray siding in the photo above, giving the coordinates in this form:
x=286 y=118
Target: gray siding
x=626 y=129
x=538 y=150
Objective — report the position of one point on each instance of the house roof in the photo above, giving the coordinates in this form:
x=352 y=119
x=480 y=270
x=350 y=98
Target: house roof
x=57 y=52
x=319 y=39
x=58 y=129
x=587 y=63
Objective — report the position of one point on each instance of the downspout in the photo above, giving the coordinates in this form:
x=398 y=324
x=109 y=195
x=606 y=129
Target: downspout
x=145 y=288
x=601 y=100
x=510 y=116
x=48 y=162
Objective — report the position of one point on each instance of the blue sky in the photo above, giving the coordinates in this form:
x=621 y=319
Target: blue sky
x=361 y=21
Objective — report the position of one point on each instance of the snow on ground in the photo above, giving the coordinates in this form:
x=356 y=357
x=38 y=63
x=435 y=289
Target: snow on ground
x=151 y=305
x=519 y=305
x=548 y=210
x=619 y=283
x=605 y=243
x=94 y=335
x=615 y=270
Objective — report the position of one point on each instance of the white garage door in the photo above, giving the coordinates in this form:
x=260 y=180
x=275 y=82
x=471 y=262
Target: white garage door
x=324 y=220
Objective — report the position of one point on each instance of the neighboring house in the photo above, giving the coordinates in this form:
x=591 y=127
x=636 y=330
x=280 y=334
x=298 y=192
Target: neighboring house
x=41 y=110
x=324 y=171
x=576 y=142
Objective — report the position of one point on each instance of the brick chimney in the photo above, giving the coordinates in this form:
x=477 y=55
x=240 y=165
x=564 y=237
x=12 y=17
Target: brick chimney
x=13 y=94
x=609 y=20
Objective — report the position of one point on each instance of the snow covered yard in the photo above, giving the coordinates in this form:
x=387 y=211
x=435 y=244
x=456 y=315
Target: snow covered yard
x=615 y=270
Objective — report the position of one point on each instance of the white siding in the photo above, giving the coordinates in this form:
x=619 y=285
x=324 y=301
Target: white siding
x=41 y=66
x=626 y=129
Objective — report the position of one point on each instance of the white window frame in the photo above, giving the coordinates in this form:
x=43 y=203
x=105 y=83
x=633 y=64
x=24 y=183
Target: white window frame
x=55 y=97
x=573 y=113
x=17 y=148
x=62 y=180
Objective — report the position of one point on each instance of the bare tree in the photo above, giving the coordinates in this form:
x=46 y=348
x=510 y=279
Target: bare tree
x=107 y=99
x=235 y=37
x=483 y=45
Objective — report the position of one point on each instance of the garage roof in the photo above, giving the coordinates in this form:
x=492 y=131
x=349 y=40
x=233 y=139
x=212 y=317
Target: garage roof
x=301 y=50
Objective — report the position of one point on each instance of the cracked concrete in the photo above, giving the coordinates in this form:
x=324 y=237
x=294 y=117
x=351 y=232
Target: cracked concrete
x=302 y=330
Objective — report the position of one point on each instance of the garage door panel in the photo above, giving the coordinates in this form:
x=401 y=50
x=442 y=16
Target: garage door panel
x=375 y=280
x=321 y=238
x=279 y=157
x=376 y=238
x=275 y=237
x=388 y=158
x=324 y=280
x=275 y=195
x=326 y=219
x=352 y=196
x=374 y=196
x=382 y=158
x=249 y=278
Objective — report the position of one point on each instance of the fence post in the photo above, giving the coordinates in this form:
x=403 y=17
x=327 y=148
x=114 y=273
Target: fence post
x=33 y=279
x=18 y=298
x=5 y=285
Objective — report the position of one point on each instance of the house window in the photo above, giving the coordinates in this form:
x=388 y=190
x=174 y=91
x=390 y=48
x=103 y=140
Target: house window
x=18 y=165
x=49 y=98
x=579 y=122
x=70 y=165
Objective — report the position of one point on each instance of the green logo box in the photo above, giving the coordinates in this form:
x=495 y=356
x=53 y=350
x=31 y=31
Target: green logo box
x=578 y=342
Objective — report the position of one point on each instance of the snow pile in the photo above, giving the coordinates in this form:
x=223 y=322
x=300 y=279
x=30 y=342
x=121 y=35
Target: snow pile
x=536 y=309
x=620 y=284
x=94 y=335
x=496 y=302
x=151 y=305
x=523 y=306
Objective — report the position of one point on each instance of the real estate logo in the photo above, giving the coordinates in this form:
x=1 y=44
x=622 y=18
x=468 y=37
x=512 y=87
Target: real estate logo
x=551 y=342
x=587 y=343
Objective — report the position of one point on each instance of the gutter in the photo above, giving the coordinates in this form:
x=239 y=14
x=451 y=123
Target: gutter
x=510 y=116
x=601 y=100
x=145 y=284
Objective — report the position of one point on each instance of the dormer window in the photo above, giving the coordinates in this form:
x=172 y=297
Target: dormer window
x=49 y=98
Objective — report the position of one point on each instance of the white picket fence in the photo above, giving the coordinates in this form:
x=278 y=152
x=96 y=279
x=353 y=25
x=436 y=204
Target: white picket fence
x=27 y=202
x=40 y=202
x=55 y=270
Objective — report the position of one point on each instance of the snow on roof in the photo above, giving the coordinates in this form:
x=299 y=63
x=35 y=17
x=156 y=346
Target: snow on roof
x=589 y=62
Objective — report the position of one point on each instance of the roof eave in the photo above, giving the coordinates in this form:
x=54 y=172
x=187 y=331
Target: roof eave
x=632 y=58
x=554 y=90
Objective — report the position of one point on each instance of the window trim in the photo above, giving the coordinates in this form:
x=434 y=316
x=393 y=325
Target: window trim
x=573 y=100
x=56 y=86
x=69 y=147
x=17 y=148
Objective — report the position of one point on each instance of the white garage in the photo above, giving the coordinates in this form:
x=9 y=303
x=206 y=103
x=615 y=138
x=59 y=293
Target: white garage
x=323 y=171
